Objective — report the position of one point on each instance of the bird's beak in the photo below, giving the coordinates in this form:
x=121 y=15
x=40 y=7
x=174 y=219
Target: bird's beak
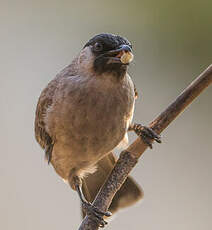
x=122 y=55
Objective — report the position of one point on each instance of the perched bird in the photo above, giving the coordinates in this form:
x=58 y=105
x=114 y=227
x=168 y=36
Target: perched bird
x=84 y=113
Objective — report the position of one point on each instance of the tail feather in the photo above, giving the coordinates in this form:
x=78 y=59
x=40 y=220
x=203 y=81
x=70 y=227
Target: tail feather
x=129 y=193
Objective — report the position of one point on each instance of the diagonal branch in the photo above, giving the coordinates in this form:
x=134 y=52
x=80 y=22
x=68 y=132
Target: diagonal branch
x=129 y=157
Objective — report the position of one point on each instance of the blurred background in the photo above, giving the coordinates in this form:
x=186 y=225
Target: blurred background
x=172 y=43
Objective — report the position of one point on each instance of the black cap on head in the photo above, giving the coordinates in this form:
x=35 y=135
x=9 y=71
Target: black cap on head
x=110 y=41
x=107 y=49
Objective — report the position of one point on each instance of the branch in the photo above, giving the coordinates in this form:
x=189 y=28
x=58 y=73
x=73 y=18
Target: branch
x=129 y=157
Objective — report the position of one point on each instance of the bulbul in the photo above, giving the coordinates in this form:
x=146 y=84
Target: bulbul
x=84 y=113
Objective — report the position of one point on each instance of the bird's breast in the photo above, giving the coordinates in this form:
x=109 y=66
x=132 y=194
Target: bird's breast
x=92 y=115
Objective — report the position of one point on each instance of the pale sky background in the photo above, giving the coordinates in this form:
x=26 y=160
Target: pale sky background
x=172 y=45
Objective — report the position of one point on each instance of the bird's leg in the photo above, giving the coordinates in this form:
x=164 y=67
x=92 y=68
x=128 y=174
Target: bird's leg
x=147 y=134
x=76 y=183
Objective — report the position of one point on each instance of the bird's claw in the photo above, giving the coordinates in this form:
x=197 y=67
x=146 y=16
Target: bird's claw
x=95 y=213
x=147 y=134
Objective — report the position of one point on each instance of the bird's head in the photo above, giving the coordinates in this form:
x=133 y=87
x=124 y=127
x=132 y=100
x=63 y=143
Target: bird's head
x=106 y=53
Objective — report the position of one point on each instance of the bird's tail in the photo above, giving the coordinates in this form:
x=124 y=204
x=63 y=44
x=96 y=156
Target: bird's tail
x=129 y=193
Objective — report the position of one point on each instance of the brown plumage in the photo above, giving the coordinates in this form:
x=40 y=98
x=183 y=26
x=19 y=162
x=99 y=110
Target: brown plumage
x=84 y=113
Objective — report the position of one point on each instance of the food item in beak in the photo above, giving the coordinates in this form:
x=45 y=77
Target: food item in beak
x=126 y=57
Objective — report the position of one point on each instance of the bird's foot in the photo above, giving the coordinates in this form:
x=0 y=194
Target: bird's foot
x=147 y=134
x=95 y=213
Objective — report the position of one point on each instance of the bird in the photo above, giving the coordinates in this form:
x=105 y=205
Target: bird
x=84 y=113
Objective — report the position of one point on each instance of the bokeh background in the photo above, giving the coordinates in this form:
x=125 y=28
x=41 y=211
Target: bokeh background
x=172 y=43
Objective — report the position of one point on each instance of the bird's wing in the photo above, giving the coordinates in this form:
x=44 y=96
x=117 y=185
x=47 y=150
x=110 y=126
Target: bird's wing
x=44 y=102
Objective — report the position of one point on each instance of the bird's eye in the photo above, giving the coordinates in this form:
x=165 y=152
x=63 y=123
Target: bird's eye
x=98 y=47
